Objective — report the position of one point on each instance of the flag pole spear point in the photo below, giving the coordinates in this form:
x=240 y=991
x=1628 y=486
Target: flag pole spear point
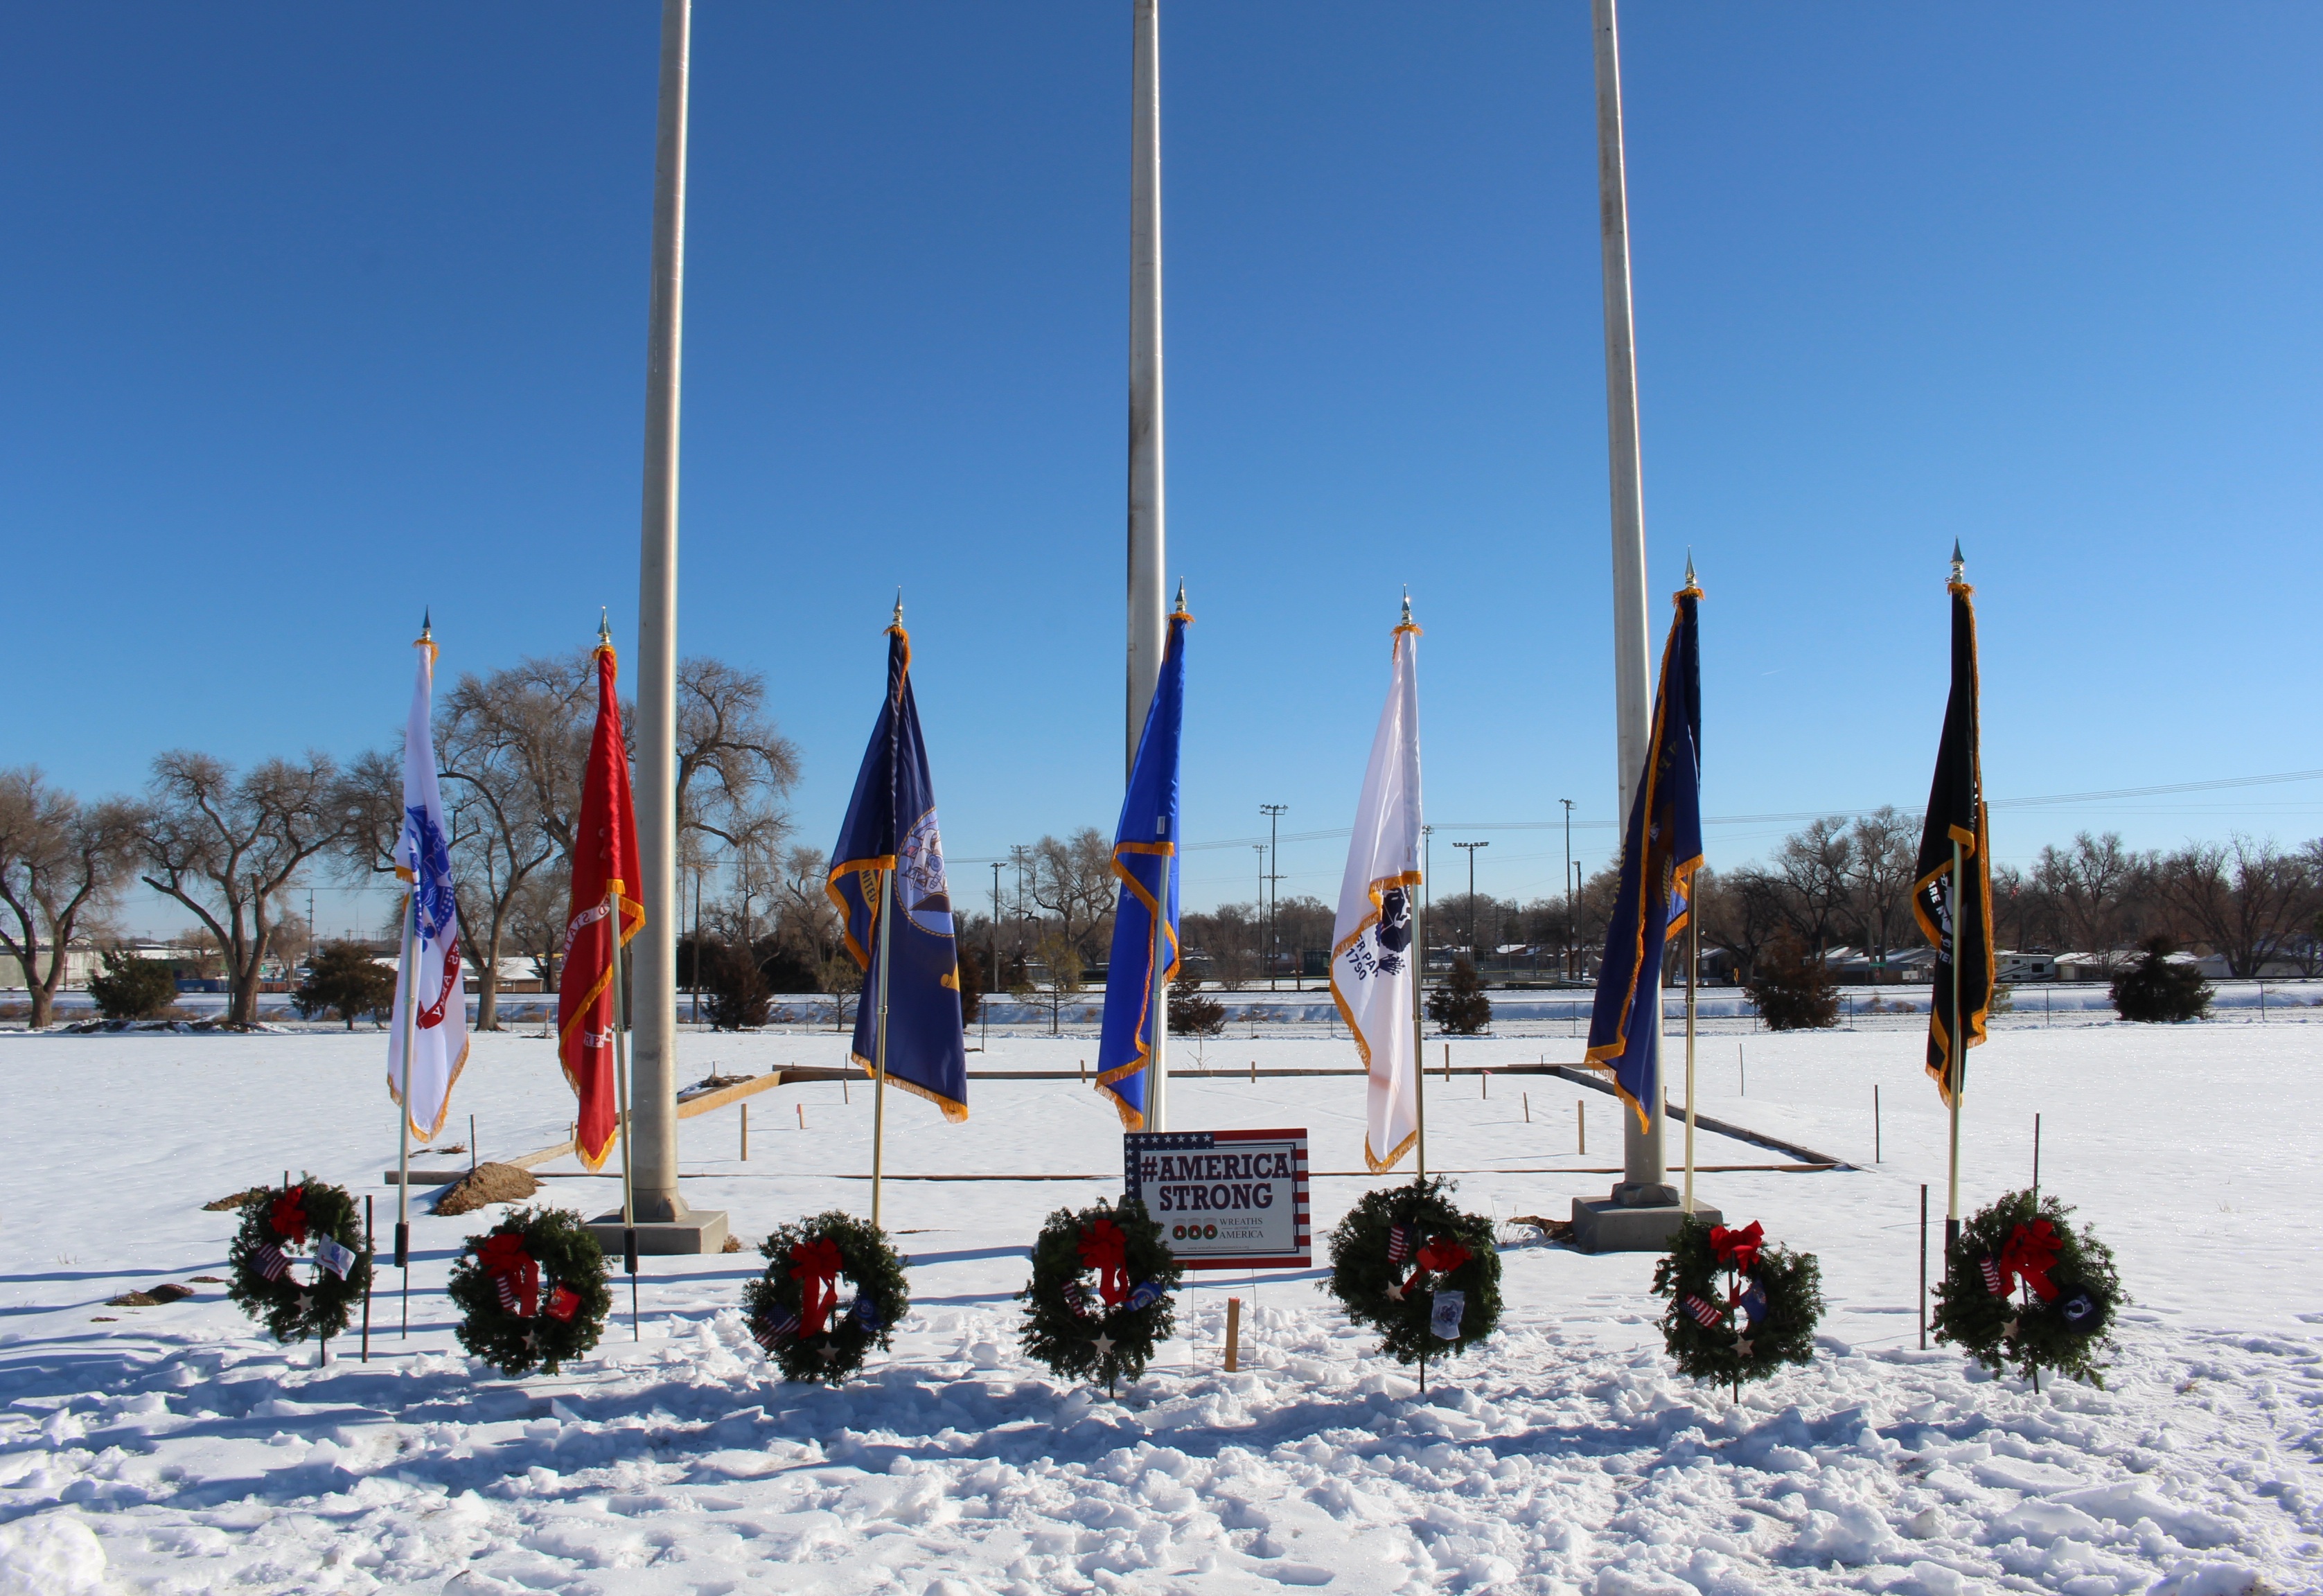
x=426 y=624
x=604 y=629
x=899 y=607
x=1182 y=595
x=1959 y=567
x=1407 y=605
x=1689 y=566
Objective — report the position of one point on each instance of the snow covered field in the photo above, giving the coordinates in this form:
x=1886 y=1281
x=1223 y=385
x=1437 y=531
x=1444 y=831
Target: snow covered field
x=169 y=1449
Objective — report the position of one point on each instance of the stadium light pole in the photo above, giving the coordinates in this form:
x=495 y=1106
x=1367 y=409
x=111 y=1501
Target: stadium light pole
x=1568 y=886
x=1273 y=813
x=1469 y=849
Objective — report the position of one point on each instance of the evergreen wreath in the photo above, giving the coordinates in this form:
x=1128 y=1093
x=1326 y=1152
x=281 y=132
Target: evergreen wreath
x=1104 y=1332
x=531 y=1291
x=2022 y=1287
x=794 y=1309
x=283 y=1227
x=1410 y=1265
x=1739 y=1307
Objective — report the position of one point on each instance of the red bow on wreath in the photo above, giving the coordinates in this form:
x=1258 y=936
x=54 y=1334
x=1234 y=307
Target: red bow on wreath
x=2030 y=1252
x=514 y=1273
x=1105 y=1249
x=289 y=1216
x=1439 y=1255
x=816 y=1266
x=1737 y=1250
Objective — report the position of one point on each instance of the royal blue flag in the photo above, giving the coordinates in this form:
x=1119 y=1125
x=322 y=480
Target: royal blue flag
x=1145 y=858
x=891 y=830
x=1660 y=851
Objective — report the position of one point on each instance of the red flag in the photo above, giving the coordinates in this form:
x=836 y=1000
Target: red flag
x=604 y=872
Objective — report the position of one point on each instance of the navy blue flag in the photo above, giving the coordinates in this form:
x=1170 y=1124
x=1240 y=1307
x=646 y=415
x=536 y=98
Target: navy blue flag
x=890 y=831
x=1145 y=858
x=1660 y=851
x=1955 y=826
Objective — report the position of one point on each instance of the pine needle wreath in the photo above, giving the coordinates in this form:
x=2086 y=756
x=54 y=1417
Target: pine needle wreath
x=1069 y=1324
x=1381 y=1254
x=275 y=1266
x=831 y=1344
x=536 y=1298
x=2057 y=1290
x=1764 y=1314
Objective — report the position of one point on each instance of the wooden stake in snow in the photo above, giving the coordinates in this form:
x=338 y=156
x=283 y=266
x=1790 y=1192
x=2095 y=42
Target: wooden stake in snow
x=802 y=1113
x=1234 y=1333
x=1527 y=1107
x=1580 y=1123
x=745 y=1133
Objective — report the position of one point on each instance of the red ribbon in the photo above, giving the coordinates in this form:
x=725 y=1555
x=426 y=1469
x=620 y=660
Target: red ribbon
x=1443 y=1255
x=1105 y=1249
x=2030 y=1252
x=289 y=1216
x=1737 y=1250
x=503 y=1257
x=1438 y=1255
x=815 y=1266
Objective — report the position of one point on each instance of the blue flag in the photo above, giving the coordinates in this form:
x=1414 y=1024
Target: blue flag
x=891 y=827
x=1145 y=858
x=1660 y=851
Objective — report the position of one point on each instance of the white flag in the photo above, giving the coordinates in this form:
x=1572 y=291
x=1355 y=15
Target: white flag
x=1373 y=954
x=431 y=932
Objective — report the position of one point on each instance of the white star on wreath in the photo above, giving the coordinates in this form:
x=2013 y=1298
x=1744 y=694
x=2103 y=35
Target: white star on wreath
x=828 y=1352
x=1104 y=1344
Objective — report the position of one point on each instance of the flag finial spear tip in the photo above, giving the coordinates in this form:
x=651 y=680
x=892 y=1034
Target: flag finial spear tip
x=1182 y=595
x=426 y=624
x=899 y=606
x=604 y=628
x=1959 y=567
x=1407 y=604
x=1689 y=566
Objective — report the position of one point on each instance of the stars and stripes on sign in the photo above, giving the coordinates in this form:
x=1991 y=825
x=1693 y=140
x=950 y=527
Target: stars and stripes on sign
x=1399 y=1242
x=785 y=1323
x=1992 y=1279
x=506 y=1286
x=269 y=1260
x=1706 y=1312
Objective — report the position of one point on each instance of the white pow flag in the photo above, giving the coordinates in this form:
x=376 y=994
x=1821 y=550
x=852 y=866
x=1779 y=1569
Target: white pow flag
x=1373 y=948
x=430 y=990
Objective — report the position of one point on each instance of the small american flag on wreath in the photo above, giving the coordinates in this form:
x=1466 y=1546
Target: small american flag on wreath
x=1705 y=1312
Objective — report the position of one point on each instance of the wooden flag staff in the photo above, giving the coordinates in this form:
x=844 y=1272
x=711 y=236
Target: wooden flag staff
x=621 y=1084
x=879 y=1048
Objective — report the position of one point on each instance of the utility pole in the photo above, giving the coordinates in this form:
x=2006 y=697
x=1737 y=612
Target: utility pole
x=1568 y=886
x=992 y=976
x=1469 y=849
x=1273 y=813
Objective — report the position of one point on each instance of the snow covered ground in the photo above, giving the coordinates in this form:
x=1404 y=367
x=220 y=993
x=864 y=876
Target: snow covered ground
x=169 y=1449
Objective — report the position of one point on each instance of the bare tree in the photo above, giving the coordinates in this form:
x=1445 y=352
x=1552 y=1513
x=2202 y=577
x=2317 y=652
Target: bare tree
x=1073 y=880
x=2092 y=888
x=806 y=920
x=734 y=768
x=1817 y=864
x=59 y=864
x=1743 y=911
x=1883 y=849
x=2246 y=898
x=226 y=846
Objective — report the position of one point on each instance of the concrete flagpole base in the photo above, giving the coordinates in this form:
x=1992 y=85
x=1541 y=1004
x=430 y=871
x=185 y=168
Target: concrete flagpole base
x=691 y=1232
x=1613 y=1226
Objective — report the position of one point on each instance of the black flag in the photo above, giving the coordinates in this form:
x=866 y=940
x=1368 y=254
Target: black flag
x=1956 y=818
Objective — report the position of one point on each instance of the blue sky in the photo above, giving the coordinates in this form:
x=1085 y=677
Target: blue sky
x=321 y=315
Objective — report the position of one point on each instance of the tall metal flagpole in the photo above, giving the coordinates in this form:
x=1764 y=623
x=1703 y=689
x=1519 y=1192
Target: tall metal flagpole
x=1149 y=629
x=654 y=1053
x=1644 y=1170
x=622 y=1084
